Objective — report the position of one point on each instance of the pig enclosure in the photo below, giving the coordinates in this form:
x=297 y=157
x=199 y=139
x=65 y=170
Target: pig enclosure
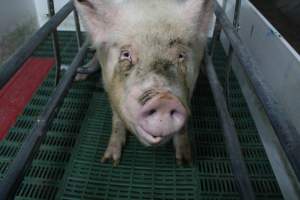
x=67 y=163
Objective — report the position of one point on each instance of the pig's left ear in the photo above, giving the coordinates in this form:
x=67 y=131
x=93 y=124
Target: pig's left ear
x=99 y=17
x=198 y=13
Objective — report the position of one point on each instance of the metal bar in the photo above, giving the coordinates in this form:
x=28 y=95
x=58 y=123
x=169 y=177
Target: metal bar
x=90 y=70
x=77 y=26
x=11 y=66
x=216 y=33
x=284 y=129
x=238 y=165
x=224 y=4
x=230 y=51
x=237 y=12
x=91 y=67
x=23 y=159
x=55 y=43
x=216 y=36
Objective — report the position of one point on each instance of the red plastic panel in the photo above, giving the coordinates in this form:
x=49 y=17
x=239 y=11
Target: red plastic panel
x=16 y=94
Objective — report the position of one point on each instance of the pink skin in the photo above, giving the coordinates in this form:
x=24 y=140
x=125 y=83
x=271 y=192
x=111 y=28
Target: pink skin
x=162 y=115
x=158 y=120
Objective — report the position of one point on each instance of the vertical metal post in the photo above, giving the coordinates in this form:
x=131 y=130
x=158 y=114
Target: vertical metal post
x=55 y=43
x=224 y=5
x=16 y=61
x=216 y=36
x=236 y=17
x=230 y=52
x=78 y=31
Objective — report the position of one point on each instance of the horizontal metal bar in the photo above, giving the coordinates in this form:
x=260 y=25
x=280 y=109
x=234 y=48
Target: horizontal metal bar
x=23 y=159
x=11 y=66
x=284 y=129
x=231 y=138
x=91 y=67
x=90 y=70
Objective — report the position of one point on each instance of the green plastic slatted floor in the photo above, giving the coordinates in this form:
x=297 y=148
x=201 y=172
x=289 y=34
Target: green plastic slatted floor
x=43 y=178
x=68 y=164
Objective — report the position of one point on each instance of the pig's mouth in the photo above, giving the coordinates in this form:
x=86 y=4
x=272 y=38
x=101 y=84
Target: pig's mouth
x=149 y=140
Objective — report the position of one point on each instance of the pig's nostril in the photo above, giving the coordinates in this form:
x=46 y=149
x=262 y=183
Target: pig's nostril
x=173 y=112
x=164 y=115
x=151 y=112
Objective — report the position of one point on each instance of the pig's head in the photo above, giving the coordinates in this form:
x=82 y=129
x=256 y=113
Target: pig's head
x=150 y=52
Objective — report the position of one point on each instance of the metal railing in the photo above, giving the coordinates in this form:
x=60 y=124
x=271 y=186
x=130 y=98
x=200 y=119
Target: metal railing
x=55 y=44
x=285 y=131
x=12 y=65
x=238 y=166
x=32 y=142
x=23 y=159
x=228 y=70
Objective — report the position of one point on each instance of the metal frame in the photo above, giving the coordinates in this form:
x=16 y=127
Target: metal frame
x=230 y=51
x=231 y=138
x=285 y=131
x=12 y=65
x=78 y=31
x=55 y=43
x=91 y=67
x=23 y=160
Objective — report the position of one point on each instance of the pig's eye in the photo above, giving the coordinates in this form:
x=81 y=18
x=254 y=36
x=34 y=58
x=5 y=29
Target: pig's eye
x=181 y=57
x=125 y=55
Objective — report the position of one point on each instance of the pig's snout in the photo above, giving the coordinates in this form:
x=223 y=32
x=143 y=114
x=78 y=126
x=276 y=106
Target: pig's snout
x=163 y=115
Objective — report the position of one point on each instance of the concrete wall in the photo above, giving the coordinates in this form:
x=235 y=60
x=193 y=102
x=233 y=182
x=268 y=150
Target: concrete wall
x=17 y=22
x=42 y=14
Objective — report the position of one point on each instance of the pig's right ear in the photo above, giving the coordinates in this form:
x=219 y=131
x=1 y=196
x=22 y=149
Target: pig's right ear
x=98 y=17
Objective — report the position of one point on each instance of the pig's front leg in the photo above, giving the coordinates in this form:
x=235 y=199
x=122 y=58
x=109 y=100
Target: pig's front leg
x=182 y=147
x=116 y=142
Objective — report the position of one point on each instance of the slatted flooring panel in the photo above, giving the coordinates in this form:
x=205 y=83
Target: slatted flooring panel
x=43 y=178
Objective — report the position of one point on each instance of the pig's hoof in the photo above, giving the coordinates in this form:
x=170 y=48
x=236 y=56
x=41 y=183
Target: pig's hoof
x=81 y=77
x=113 y=153
x=184 y=156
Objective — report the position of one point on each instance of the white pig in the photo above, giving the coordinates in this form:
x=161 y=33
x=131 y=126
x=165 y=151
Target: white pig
x=150 y=52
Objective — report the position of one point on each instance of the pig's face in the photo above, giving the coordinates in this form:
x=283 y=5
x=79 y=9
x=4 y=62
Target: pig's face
x=150 y=53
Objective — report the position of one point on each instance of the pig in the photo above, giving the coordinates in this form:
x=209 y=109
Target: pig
x=150 y=53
